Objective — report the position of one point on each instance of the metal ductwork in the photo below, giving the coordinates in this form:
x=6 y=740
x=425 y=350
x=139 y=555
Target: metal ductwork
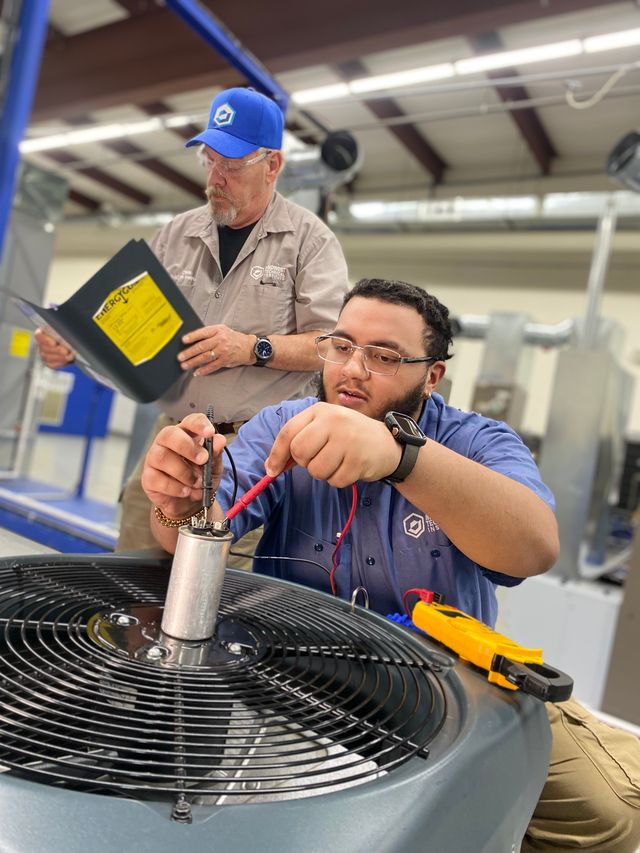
x=323 y=167
x=624 y=161
x=538 y=334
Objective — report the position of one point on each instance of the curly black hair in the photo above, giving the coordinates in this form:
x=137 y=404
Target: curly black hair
x=438 y=335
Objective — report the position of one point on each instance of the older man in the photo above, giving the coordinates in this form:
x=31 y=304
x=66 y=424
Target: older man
x=264 y=275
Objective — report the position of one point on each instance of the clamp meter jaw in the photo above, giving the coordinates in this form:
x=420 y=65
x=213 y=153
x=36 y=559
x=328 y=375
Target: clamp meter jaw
x=507 y=663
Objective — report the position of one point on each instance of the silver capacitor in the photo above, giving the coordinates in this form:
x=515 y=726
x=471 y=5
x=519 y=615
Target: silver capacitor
x=195 y=585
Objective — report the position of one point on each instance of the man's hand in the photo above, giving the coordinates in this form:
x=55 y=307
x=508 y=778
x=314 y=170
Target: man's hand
x=172 y=474
x=335 y=444
x=54 y=354
x=213 y=347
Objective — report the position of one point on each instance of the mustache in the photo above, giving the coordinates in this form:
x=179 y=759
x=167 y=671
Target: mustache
x=216 y=192
x=350 y=389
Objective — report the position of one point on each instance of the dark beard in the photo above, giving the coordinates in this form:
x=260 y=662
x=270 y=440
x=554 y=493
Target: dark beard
x=411 y=404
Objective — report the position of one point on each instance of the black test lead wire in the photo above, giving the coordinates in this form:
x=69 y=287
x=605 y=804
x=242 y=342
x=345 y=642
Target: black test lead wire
x=207 y=475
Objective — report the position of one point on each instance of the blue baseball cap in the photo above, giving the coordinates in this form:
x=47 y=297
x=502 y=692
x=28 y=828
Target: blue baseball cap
x=240 y=121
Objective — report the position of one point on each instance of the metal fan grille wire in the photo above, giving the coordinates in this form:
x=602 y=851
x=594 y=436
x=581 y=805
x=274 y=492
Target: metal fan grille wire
x=334 y=699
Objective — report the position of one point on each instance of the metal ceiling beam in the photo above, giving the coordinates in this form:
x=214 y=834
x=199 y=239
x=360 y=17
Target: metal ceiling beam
x=159 y=108
x=205 y=24
x=84 y=200
x=157 y=58
x=527 y=119
x=407 y=134
x=157 y=167
x=63 y=158
x=137 y=7
x=301 y=133
x=127 y=149
x=56 y=37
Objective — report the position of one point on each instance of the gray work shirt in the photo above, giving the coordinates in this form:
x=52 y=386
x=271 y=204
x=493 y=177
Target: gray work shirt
x=289 y=277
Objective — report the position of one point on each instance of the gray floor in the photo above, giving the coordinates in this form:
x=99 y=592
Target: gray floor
x=12 y=545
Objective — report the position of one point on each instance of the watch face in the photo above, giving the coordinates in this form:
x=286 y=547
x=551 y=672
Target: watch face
x=263 y=349
x=404 y=428
x=408 y=425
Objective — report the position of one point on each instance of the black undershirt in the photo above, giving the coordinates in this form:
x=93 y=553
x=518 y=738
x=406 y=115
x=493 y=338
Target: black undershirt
x=230 y=241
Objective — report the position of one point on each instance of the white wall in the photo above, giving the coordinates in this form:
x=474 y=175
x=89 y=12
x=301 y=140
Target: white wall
x=69 y=272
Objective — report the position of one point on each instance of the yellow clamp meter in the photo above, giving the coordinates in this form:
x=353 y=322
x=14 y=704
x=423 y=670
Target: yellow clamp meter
x=508 y=664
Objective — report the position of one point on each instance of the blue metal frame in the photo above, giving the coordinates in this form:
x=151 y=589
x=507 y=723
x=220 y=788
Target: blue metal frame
x=212 y=31
x=23 y=76
x=42 y=531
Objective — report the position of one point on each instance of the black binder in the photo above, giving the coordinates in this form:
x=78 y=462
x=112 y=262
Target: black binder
x=126 y=323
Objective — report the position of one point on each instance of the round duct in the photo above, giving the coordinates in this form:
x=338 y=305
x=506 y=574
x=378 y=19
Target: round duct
x=623 y=163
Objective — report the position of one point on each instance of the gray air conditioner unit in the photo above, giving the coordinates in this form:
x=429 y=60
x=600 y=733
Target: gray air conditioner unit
x=305 y=724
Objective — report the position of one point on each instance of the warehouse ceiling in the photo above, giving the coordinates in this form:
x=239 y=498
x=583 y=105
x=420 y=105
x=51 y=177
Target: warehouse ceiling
x=510 y=132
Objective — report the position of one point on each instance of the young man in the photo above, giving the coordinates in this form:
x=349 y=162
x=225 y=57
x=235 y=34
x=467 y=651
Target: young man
x=463 y=511
x=264 y=275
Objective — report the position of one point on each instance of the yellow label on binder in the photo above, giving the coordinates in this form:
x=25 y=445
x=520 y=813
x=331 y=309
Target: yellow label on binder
x=138 y=319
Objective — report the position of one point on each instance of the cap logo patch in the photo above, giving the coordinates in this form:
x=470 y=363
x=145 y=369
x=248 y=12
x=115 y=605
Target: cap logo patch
x=224 y=115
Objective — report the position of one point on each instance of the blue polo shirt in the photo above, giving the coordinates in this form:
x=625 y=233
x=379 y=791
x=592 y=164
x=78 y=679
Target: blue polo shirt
x=391 y=545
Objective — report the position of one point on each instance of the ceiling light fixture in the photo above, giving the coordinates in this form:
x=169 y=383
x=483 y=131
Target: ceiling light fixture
x=321 y=93
x=402 y=78
x=471 y=65
x=611 y=41
x=83 y=135
x=525 y=56
x=551 y=206
x=102 y=132
x=180 y=121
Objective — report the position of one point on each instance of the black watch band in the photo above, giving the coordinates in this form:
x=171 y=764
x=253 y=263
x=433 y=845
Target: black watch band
x=405 y=466
x=408 y=434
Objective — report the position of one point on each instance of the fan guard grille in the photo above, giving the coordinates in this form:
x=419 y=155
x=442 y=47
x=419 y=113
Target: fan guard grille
x=333 y=699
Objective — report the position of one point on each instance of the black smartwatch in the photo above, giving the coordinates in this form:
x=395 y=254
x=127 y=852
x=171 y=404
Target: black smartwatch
x=263 y=350
x=407 y=433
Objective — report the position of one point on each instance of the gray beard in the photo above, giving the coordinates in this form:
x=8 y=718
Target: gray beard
x=222 y=217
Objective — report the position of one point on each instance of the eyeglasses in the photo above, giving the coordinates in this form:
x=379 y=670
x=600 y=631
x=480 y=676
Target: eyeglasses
x=376 y=359
x=229 y=167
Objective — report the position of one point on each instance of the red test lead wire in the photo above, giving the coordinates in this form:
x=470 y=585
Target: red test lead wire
x=250 y=495
x=341 y=535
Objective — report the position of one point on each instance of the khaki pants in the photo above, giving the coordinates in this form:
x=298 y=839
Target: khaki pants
x=591 y=800
x=135 y=530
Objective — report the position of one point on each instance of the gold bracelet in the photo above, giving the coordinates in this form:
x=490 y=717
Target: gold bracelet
x=165 y=521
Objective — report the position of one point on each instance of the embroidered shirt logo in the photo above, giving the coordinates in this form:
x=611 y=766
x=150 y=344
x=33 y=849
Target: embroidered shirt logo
x=224 y=115
x=269 y=273
x=184 y=276
x=415 y=525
